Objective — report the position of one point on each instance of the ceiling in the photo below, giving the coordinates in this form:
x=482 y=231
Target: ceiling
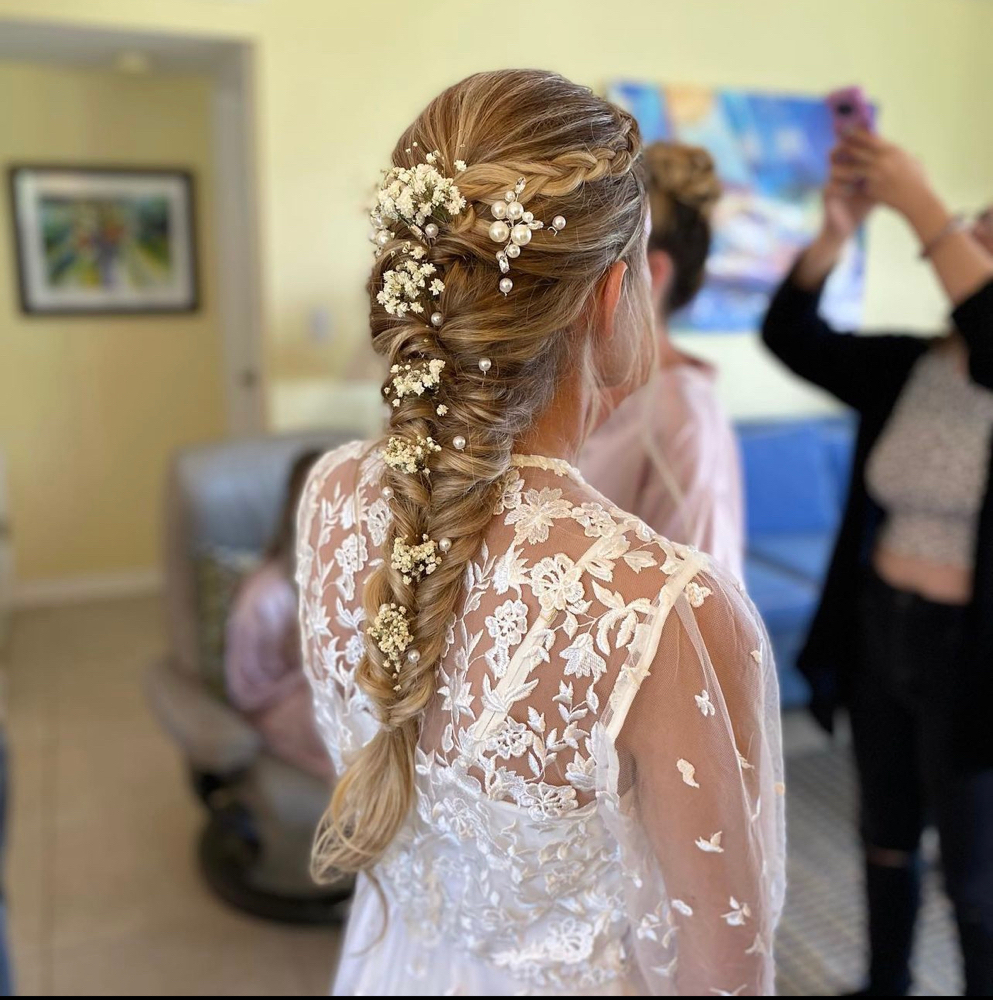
x=101 y=48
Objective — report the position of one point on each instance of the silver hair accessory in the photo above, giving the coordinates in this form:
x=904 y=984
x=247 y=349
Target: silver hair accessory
x=513 y=226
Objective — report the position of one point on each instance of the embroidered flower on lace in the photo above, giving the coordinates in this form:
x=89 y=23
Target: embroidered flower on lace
x=536 y=512
x=582 y=660
x=378 y=518
x=544 y=801
x=595 y=519
x=704 y=703
x=409 y=456
x=711 y=844
x=507 y=625
x=415 y=561
x=513 y=739
x=688 y=773
x=556 y=582
x=510 y=498
x=738 y=913
x=354 y=649
x=696 y=593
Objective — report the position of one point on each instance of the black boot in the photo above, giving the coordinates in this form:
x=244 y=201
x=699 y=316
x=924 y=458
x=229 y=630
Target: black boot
x=977 y=952
x=893 y=895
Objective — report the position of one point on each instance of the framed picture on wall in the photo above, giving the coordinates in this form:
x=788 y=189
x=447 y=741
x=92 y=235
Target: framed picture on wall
x=93 y=240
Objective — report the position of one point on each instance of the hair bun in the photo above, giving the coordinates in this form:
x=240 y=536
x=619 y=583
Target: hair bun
x=685 y=174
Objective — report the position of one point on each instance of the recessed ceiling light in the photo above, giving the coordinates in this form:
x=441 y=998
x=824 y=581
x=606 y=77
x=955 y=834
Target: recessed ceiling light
x=132 y=61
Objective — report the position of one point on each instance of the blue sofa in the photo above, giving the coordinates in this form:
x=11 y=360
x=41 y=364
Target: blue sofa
x=796 y=479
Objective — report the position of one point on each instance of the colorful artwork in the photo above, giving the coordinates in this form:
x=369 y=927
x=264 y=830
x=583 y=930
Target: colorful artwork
x=104 y=241
x=771 y=152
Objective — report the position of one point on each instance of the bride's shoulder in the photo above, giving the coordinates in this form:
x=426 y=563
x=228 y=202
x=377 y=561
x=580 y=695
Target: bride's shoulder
x=647 y=563
x=343 y=468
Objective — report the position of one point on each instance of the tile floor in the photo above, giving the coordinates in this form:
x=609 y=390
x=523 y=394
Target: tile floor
x=104 y=895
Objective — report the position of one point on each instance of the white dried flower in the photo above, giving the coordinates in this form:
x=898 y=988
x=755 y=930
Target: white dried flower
x=390 y=631
x=416 y=379
x=407 y=456
x=415 y=194
x=460 y=165
x=441 y=410
x=415 y=561
x=406 y=285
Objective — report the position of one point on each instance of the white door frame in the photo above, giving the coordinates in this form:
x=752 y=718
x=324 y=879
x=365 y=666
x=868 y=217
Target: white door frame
x=239 y=274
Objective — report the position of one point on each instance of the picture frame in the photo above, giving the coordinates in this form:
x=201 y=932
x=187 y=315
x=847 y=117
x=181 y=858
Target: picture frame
x=103 y=240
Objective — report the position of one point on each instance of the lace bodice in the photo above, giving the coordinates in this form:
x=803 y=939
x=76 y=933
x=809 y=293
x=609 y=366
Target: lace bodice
x=599 y=795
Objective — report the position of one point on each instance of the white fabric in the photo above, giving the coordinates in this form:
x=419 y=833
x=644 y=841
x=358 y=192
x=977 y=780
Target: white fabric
x=599 y=780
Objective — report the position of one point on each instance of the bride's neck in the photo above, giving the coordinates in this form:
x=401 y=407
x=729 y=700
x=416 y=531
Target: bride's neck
x=559 y=432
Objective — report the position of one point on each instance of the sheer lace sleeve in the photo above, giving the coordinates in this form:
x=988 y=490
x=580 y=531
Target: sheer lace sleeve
x=698 y=798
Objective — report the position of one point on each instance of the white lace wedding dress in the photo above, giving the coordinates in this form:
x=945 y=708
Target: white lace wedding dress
x=599 y=779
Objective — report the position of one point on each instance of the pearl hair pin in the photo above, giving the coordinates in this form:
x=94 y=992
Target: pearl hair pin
x=445 y=545
x=437 y=319
x=514 y=226
x=458 y=442
x=485 y=365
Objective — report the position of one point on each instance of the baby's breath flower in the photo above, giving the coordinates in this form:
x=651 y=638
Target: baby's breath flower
x=406 y=285
x=415 y=194
x=441 y=410
x=415 y=561
x=460 y=165
x=409 y=456
x=416 y=379
x=390 y=631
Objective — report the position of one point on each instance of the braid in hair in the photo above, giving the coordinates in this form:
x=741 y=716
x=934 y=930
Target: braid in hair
x=578 y=155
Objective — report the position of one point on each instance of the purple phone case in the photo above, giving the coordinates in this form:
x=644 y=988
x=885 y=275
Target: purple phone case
x=851 y=109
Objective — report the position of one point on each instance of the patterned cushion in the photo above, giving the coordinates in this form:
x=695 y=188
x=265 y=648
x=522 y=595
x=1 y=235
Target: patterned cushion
x=219 y=573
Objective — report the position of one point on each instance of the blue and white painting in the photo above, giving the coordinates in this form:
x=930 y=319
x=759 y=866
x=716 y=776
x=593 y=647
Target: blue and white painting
x=771 y=152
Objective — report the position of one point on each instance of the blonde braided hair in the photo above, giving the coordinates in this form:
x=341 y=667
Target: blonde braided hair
x=579 y=155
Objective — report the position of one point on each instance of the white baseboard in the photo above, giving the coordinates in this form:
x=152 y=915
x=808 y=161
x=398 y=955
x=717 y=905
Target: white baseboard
x=79 y=589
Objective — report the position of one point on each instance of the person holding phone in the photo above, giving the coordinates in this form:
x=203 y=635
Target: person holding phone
x=904 y=632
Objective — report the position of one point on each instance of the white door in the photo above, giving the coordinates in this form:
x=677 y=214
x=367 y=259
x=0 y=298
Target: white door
x=238 y=279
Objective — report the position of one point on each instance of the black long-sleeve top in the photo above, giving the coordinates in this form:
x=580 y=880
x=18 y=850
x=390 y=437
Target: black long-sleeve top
x=868 y=374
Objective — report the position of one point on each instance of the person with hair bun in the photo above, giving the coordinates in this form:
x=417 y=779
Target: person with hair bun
x=668 y=452
x=556 y=733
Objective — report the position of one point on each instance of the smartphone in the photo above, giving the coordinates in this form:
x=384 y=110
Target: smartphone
x=850 y=110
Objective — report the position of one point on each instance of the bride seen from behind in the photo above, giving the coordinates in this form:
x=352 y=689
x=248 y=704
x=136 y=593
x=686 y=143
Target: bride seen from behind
x=556 y=732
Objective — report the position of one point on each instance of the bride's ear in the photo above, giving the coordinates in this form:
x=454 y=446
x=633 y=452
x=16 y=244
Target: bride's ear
x=608 y=297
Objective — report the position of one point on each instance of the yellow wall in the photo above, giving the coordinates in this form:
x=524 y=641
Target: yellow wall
x=338 y=80
x=91 y=407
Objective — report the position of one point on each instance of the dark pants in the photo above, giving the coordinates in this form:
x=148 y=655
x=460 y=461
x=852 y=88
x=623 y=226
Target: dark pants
x=905 y=706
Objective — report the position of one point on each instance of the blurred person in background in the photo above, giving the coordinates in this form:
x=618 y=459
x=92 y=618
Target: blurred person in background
x=559 y=758
x=904 y=632
x=668 y=452
x=262 y=664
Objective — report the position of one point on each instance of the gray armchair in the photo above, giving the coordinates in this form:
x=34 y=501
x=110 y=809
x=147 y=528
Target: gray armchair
x=262 y=812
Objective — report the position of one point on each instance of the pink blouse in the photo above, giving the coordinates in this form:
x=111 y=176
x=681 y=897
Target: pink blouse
x=668 y=454
x=262 y=667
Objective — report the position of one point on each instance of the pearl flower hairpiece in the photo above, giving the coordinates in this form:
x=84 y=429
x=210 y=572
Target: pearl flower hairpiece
x=513 y=225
